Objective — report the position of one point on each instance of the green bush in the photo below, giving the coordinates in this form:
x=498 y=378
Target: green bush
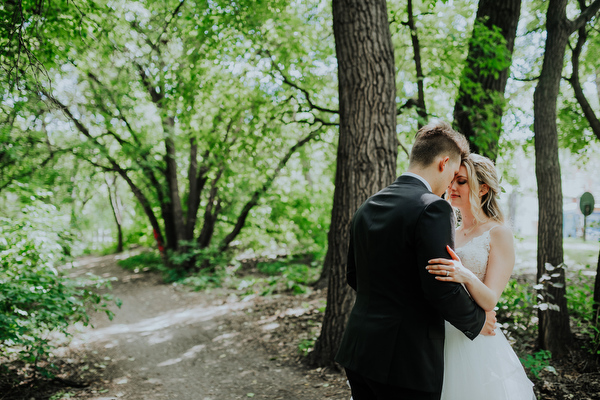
x=580 y=301
x=516 y=308
x=206 y=279
x=271 y=268
x=35 y=297
x=148 y=259
x=537 y=362
x=580 y=295
x=283 y=275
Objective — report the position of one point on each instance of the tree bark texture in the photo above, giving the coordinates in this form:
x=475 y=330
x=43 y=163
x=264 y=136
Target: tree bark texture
x=554 y=330
x=368 y=146
x=469 y=116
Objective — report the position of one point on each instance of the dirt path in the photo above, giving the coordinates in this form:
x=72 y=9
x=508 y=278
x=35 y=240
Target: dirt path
x=169 y=343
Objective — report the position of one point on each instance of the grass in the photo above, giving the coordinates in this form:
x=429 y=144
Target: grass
x=145 y=261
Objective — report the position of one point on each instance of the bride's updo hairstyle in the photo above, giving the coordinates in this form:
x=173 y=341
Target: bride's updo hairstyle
x=481 y=170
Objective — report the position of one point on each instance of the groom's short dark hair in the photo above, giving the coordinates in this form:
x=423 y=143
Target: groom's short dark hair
x=436 y=139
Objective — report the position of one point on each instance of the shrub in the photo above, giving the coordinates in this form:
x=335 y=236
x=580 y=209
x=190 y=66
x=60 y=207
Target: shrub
x=148 y=259
x=35 y=298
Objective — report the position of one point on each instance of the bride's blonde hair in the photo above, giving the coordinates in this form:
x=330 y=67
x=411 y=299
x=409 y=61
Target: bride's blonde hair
x=481 y=170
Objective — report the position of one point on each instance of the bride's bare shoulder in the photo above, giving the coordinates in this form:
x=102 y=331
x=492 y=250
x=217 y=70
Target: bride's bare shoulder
x=501 y=233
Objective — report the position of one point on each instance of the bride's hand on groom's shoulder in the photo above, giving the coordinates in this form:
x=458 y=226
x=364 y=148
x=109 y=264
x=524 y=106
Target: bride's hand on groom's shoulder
x=450 y=270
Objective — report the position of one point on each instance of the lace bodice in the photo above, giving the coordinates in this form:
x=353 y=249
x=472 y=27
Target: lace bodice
x=474 y=254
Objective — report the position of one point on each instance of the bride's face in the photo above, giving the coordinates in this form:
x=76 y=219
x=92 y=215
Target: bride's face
x=458 y=190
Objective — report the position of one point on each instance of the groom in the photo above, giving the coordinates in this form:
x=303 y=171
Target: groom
x=393 y=346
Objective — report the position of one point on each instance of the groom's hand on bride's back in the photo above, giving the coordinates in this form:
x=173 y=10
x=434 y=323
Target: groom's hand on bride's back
x=490 y=324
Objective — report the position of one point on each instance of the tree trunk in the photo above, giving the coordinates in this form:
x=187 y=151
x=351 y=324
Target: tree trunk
x=116 y=209
x=480 y=103
x=554 y=330
x=597 y=290
x=210 y=216
x=368 y=147
x=196 y=181
x=174 y=226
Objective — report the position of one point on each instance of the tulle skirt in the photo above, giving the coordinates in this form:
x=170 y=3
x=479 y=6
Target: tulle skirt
x=485 y=368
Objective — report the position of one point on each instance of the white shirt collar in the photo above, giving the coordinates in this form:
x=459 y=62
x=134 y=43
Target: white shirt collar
x=419 y=177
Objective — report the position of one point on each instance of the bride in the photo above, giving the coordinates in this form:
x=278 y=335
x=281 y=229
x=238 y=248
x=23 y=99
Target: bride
x=487 y=367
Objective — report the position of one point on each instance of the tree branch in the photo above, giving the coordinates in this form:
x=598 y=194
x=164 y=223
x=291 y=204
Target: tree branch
x=137 y=192
x=421 y=109
x=262 y=190
x=32 y=169
x=287 y=81
x=156 y=96
x=168 y=22
x=410 y=103
x=588 y=112
x=586 y=14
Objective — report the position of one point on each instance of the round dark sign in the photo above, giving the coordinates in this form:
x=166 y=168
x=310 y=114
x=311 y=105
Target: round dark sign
x=586 y=203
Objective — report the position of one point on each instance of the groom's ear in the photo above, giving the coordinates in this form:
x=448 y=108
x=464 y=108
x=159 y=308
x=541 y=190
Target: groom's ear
x=443 y=163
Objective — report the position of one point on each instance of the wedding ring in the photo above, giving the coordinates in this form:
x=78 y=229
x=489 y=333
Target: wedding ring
x=447 y=273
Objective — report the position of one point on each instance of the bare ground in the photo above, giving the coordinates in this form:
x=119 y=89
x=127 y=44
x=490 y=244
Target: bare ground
x=167 y=342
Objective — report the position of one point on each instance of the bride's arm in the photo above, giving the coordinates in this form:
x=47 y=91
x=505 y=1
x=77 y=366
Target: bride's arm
x=500 y=265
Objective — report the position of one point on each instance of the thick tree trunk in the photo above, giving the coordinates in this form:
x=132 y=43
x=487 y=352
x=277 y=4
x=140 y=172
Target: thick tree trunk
x=594 y=122
x=174 y=226
x=554 y=330
x=478 y=115
x=367 y=149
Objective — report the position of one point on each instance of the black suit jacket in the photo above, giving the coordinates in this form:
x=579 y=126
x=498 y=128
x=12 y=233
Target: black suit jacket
x=395 y=333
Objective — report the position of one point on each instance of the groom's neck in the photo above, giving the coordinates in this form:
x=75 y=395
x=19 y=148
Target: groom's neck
x=426 y=173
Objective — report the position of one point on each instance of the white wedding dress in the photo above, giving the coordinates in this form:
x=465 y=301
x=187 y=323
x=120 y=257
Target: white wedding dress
x=487 y=367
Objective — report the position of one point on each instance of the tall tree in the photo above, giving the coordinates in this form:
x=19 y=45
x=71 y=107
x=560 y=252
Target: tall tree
x=367 y=149
x=480 y=103
x=554 y=330
x=590 y=117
